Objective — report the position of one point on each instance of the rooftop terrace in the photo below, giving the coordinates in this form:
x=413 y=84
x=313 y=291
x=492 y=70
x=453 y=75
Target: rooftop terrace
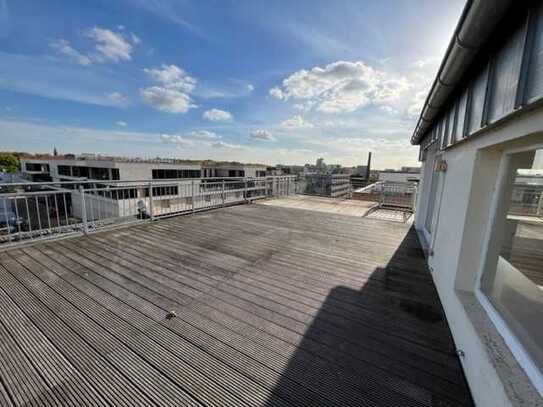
x=274 y=306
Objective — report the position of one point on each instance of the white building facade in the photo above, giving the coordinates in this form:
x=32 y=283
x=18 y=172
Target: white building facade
x=177 y=186
x=480 y=133
x=58 y=169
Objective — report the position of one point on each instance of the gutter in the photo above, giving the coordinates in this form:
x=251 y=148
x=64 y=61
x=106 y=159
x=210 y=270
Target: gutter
x=478 y=21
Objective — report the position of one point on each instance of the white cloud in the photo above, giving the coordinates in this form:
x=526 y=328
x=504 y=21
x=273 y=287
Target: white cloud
x=173 y=96
x=135 y=39
x=172 y=77
x=372 y=144
x=167 y=100
x=277 y=93
x=175 y=139
x=304 y=107
x=117 y=98
x=121 y=123
x=342 y=86
x=110 y=45
x=222 y=144
x=296 y=122
x=262 y=135
x=250 y=87
x=204 y=135
x=217 y=115
x=416 y=103
x=64 y=47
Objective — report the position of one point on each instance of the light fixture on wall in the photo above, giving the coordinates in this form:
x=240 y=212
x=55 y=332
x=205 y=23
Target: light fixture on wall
x=440 y=166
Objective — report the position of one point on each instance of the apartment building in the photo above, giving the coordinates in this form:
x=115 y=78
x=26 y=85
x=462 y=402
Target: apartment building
x=117 y=169
x=399 y=176
x=479 y=207
x=176 y=183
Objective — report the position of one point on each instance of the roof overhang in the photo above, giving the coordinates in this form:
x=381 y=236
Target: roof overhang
x=478 y=21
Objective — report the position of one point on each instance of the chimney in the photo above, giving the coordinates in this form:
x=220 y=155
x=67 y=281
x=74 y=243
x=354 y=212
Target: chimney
x=368 y=168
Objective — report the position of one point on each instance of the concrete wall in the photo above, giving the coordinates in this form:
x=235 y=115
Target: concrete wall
x=463 y=202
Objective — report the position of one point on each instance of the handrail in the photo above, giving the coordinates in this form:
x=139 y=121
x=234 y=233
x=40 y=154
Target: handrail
x=45 y=210
x=98 y=181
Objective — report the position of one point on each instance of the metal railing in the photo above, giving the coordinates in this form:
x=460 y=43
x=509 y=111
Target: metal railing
x=43 y=210
x=388 y=194
x=527 y=200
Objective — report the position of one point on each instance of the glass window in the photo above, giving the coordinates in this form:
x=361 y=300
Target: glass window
x=99 y=173
x=513 y=274
x=64 y=170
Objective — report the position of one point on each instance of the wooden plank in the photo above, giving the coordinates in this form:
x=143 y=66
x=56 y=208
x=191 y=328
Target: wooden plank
x=194 y=372
x=159 y=390
x=56 y=371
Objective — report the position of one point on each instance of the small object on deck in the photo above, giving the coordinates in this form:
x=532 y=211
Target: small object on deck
x=171 y=315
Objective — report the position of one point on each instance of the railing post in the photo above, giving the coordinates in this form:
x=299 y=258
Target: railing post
x=83 y=209
x=223 y=193
x=415 y=197
x=192 y=193
x=246 y=197
x=540 y=204
x=151 y=209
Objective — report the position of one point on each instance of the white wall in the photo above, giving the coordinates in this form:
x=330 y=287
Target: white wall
x=398 y=176
x=462 y=216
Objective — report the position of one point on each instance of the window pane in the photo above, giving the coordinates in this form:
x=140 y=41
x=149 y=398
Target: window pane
x=513 y=275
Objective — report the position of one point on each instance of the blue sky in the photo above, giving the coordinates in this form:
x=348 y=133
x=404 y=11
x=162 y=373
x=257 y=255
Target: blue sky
x=256 y=81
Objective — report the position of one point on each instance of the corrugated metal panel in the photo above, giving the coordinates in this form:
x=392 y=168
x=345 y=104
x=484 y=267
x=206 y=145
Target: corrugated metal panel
x=461 y=116
x=445 y=131
x=476 y=108
x=451 y=127
x=534 y=88
x=505 y=77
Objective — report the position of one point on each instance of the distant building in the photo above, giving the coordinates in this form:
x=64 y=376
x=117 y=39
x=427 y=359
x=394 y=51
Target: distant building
x=414 y=170
x=399 y=176
x=320 y=166
x=287 y=169
x=182 y=181
x=92 y=167
x=332 y=185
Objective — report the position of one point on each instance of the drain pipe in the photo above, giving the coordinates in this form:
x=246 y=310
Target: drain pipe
x=477 y=23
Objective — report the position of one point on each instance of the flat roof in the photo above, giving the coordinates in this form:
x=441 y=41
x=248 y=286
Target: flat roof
x=203 y=163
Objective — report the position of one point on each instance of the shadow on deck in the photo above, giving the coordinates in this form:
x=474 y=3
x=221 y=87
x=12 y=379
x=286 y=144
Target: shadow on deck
x=389 y=365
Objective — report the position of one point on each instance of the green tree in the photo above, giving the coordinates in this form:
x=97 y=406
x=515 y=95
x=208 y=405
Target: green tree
x=8 y=163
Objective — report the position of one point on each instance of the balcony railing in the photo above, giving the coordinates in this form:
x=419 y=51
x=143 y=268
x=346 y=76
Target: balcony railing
x=35 y=211
x=388 y=194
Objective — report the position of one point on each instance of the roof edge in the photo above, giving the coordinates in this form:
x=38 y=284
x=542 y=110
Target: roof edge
x=477 y=22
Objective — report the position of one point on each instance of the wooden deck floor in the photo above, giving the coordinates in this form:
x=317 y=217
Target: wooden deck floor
x=350 y=207
x=274 y=307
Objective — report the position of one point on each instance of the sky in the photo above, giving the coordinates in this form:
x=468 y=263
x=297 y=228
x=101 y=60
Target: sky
x=246 y=80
